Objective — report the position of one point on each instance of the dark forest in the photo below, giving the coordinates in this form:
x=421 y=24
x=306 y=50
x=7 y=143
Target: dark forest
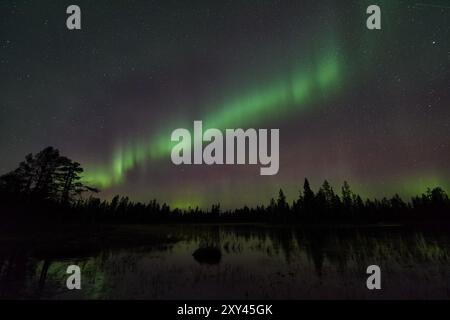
x=47 y=188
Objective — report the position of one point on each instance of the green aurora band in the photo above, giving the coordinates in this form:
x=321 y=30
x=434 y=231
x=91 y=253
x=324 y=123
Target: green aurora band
x=297 y=92
x=281 y=98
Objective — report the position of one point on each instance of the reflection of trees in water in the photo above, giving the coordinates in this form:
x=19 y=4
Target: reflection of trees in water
x=27 y=273
x=13 y=273
x=34 y=273
x=338 y=247
x=23 y=276
x=43 y=276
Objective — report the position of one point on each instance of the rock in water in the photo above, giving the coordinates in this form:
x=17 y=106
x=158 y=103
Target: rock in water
x=207 y=255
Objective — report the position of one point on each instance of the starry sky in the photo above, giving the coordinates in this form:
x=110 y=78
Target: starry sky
x=368 y=106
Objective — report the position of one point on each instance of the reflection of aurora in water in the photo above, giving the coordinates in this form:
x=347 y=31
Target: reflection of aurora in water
x=257 y=262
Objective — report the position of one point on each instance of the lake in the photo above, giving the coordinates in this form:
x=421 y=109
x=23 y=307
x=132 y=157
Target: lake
x=235 y=262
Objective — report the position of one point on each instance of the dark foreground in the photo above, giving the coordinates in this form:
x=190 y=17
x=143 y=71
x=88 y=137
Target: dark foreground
x=226 y=262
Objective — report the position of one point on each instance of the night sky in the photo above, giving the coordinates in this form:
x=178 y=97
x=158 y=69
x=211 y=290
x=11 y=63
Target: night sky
x=368 y=106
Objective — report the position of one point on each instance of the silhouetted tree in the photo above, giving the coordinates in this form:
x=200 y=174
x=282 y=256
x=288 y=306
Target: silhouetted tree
x=308 y=199
x=46 y=176
x=347 y=197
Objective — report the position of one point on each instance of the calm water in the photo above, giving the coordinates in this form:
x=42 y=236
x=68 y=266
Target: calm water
x=239 y=262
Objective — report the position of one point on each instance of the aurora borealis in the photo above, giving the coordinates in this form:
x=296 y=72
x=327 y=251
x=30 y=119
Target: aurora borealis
x=370 y=107
x=252 y=108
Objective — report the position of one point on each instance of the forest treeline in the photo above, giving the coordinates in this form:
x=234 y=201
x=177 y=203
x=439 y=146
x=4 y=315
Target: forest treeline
x=48 y=188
